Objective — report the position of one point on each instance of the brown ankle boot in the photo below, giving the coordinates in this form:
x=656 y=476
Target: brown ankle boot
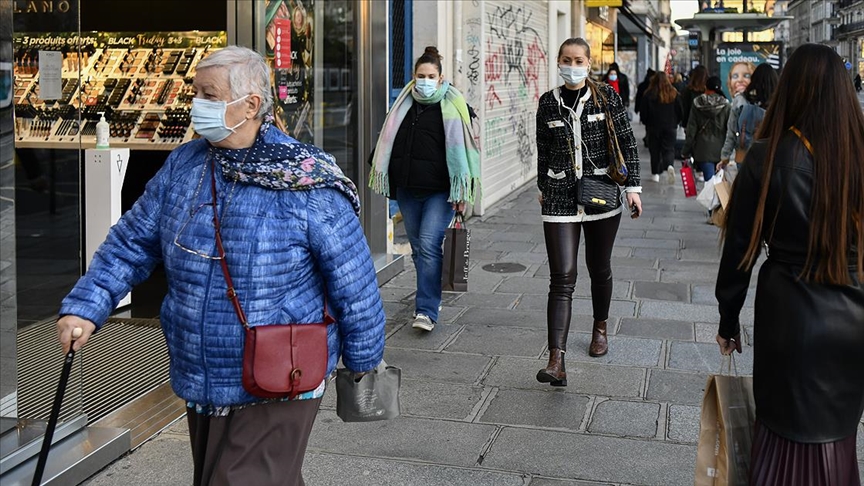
x=554 y=373
x=599 y=346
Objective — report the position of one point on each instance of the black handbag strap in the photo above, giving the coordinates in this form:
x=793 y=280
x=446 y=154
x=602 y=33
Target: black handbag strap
x=223 y=261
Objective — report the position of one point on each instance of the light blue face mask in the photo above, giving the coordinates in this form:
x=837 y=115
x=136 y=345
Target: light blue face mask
x=208 y=118
x=426 y=87
x=573 y=75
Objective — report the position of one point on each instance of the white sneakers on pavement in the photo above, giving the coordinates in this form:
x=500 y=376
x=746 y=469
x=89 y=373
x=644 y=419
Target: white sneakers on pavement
x=655 y=177
x=422 y=322
x=671 y=171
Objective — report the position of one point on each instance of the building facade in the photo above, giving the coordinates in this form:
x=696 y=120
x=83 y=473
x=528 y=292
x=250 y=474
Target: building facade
x=501 y=56
x=850 y=34
x=815 y=21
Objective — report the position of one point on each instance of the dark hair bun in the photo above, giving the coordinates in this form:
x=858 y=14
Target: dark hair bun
x=432 y=51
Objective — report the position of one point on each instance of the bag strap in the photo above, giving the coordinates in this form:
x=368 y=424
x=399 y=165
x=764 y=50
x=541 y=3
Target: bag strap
x=223 y=261
x=801 y=136
x=610 y=127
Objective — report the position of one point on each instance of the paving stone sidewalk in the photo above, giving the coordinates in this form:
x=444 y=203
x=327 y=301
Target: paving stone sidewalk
x=473 y=412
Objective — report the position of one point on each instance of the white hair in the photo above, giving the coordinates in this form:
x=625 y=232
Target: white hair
x=248 y=73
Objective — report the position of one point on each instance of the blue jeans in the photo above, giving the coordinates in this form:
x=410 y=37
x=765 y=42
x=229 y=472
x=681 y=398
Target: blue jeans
x=707 y=169
x=426 y=216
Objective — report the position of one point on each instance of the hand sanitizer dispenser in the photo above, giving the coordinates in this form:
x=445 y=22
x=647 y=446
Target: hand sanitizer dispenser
x=103 y=131
x=104 y=171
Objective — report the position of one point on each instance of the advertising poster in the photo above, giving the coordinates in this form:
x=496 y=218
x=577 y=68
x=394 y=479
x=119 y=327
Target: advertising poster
x=289 y=51
x=736 y=60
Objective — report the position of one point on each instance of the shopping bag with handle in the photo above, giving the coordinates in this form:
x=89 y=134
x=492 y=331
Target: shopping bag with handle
x=688 y=179
x=372 y=397
x=726 y=431
x=457 y=245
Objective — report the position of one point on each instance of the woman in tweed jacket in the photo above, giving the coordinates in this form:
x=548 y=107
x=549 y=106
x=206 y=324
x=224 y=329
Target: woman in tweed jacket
x=572 y=137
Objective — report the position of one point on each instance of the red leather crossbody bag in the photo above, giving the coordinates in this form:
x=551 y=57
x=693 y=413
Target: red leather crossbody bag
x=279 y=360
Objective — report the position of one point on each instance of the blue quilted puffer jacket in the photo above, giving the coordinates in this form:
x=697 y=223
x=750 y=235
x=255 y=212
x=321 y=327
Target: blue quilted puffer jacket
x=284 y=249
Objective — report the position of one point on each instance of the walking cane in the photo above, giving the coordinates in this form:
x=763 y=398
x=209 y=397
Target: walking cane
x=55 y=411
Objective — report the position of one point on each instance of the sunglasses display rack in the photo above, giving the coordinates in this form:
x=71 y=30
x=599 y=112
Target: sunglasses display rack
x=145 y=93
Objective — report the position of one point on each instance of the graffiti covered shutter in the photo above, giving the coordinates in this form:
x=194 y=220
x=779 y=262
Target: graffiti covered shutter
x=515 y=67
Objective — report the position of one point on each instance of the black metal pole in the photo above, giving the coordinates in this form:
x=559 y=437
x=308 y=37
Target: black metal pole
x=52 y=420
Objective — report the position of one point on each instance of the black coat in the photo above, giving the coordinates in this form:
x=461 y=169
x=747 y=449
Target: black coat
x=419 y=159
x=640 y=93
x=808 y=368
x=686 y=101
x=659 y=116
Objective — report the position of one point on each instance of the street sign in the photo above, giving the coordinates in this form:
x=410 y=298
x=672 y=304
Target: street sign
x=693 y=41
x=848 y=66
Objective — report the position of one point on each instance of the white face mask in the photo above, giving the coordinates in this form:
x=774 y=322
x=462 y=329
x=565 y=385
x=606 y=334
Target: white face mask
x=573 y=75
x=208 y=118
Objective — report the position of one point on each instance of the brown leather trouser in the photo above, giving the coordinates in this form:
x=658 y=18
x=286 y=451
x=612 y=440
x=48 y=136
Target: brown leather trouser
x=562 y=248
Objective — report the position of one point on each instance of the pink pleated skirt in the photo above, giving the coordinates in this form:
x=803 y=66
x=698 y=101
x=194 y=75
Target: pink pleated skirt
x=777 y=461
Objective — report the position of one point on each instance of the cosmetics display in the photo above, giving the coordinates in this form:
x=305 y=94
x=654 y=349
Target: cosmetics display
x=141 y=82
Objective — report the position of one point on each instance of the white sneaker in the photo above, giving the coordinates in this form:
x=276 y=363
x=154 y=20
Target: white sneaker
x=700 y=177
x=671 y=172
x=655 y=177
x=423 y=322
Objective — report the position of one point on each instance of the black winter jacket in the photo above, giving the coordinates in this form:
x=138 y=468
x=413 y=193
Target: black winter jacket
x=419 y=160
x=660 y=116
x=808 y=360
x=556 y=174
x=706 y=130
x=686 y=101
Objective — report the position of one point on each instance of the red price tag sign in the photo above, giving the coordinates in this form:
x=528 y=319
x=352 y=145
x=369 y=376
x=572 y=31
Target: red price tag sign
x=282 y=49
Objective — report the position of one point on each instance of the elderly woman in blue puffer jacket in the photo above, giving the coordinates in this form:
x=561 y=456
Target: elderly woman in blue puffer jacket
x=291 y=236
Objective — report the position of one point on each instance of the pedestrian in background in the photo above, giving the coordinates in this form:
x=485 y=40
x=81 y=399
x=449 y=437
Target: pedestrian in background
x=744 y=120
x=662 y=115
x=619 y=82
x=637 y=104
x=706 y=129
x=293 y=241
x=696 y=86
x=572 y=136
x=427 y=159
x=678 y=83
x=801 y=193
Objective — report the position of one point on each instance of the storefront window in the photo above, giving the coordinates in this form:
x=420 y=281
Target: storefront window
x=310 y=45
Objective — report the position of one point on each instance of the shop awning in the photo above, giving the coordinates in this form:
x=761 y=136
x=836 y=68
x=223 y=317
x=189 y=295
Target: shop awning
x=723 y=22
x=636 y=26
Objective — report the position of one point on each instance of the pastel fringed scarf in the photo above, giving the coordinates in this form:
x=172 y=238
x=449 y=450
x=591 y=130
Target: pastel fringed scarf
x=463 y=156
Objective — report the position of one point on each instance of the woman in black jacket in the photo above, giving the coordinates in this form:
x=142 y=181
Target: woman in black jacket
x=572 y=152
x=801 y=192
x=661 y=114
x=696 y=86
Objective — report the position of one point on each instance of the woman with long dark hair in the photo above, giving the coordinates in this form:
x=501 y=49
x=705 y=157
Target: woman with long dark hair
x=577 y=126
x=661 y=116
x=800 y=191
x=696 y=86
x=745 y=118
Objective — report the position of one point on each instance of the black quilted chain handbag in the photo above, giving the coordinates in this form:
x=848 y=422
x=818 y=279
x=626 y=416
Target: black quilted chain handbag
x=595 y=191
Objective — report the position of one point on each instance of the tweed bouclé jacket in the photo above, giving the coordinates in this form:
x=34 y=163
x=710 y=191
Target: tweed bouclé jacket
x=572 y=143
